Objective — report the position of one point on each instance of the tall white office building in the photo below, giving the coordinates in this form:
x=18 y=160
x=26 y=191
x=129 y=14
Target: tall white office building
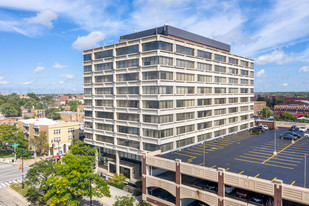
x=162 y=88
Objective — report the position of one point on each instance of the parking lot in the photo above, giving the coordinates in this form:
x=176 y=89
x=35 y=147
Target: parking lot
x=252 y=155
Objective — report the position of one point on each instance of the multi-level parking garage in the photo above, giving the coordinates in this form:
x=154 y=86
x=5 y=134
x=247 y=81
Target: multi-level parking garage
x=245 y=162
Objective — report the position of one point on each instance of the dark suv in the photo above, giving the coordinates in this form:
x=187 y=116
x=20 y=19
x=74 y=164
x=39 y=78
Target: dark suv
x=257 y=130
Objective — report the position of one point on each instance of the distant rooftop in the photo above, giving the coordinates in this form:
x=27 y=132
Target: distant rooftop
x=167 y=30
x=40 y=121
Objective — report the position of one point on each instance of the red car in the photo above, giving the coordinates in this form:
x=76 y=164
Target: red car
x=243 y=193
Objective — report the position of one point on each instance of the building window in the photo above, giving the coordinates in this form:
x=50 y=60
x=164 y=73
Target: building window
x=101 y=79
x=243 y=117
x=185 y=77
x=104 y=103
x=185 y=129
x=71 y=130
x=184 y=50
x=127 y=90
x=158 y=90
x=57 y=139
x=87 y=80
x=57 y=131
x=204 y=102
x=105 y=66
x=184 y=142
x=220 y=133
x=244 y=63
x=103 y=54
x=88 y=68
x=203 y=54
x=243 y=126
x=128 y=143
x=158 y=104
x=185 y=116
x=233 y=90
x=203 y=67
x=166 y=61
x=233 y=110
x=154 y=147
x=70 y=137
x=127 y=50
x=204 y=78
x=244 y=72
x=158 y=133
x=157 y=45
x=220 y=90
x=88 y=113
x=107 y=115
x=104 y=90
x=221 y=80
x=220 y=101
x=128 y=103
x=106 y=127
x=204 y=125
x=219 y=58
x=158 y=119
x=233 y=100
x=243 y=99
x=233 y=71
x=233 y=129
x=219 y=111
x=87 y=91
x=128 y=77
x=157 y=75
x=233 y=119
x=127 y=63
x=204 y=90
x=88 y=102
x=244 y=81
x=87 y=57
x=220 y=69
x=184 y=63
x=233 y=81
x=204 y=137
x=219 y=122
x=184 y=90
x=244 y=90
x=233 y=60
x=128 y=130
x=103 y=138
x=205 y=113
x=128 y=117
x=244 y=108
x=185 y=103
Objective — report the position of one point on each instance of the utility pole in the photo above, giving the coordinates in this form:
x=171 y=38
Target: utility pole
x=22 y=168
x=305 y=170
x=275 y=143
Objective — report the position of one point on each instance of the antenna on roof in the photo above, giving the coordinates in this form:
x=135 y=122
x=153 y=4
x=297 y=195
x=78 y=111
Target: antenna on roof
x=136 y=30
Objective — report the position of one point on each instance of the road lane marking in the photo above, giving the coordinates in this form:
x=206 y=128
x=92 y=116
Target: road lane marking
x=281 y=150
x=274 y=179
x=257 y=175
x=293 y=183
x=241 y=172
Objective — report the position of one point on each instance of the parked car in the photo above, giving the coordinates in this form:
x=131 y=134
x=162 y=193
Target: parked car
x=258 y=198
x=265 y=127
x=303 y=129
x=257 y=129
x=288 y=136
x=229 y=190
x=243 y=193
x=306 y=135
x=293 y=128
x=291 y=133
x=211 y=186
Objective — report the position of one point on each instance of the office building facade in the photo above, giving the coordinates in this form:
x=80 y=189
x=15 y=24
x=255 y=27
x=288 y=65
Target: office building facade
x=165 y=89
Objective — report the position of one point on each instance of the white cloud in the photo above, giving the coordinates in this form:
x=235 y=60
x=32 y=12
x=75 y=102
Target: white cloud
x=59 y=66
x=27 y=83
x=3 y=81
x=38 y=69
x=61 y=82
x=89 y=41
x=304 y=69
x=277 y=56
x=67 y=76
x=44 y=18
x=260 y=73
x=285 y=84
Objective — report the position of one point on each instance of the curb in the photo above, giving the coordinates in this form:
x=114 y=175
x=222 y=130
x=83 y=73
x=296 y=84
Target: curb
x=22 y=197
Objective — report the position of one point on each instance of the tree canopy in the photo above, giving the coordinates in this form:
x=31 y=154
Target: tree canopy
x=73 y=105
x=52 y=113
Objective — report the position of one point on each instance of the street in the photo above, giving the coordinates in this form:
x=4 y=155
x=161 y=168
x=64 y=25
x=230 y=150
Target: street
x=10 y=173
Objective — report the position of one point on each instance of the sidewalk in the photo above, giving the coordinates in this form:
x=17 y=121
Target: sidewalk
x=9 y=197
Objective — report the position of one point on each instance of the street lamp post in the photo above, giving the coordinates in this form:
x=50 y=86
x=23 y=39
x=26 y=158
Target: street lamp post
x=22 y=168
x=305 y=171
x=275 y=143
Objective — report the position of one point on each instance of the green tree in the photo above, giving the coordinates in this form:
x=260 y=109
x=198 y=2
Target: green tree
x=10 y=134
x=40 y=142
x=72 y=181
x=48 y=99
x=124 y=201
x=286 y=116
x=80 y=148
x=266 y=112
x=52 y=113
x=73 y=105
x=33 y=96
x=10 y=110
x=144 y=204
x=117 y=180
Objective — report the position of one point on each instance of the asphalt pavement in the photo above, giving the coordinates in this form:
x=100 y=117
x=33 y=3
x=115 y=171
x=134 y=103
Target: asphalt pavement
x=10 y=173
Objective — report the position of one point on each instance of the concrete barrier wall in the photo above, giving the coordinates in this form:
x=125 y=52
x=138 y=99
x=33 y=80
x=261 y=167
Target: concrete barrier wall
x=161 y=163
x=204 y=196
x=161 y=183
x=198 y=171
x=295 y=194
x=290 y=124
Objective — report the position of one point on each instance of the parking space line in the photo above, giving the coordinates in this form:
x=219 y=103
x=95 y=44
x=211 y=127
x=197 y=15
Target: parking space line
x=293 y=183
x=270 y=152
x=274 y=179
x=282 y=163
x=291 y=168
x=295 y=151
x=241 y=172
x=195 y=150
x=292 y=155
x=201 y=164
x=213 y=166
x=189 y=160
x=255 y=155
x=257 y=175
x=227 y=169
x=282 y=150
x=191 y=153
x=278 y=159
x=252 y=158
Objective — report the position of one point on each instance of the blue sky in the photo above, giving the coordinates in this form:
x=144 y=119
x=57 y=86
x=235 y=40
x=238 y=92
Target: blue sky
x=42 y=40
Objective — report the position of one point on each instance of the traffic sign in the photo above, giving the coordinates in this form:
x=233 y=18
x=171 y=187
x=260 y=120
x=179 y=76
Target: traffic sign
x=15 y=145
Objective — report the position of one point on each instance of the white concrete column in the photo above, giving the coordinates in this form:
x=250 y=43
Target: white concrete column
x=117 y=163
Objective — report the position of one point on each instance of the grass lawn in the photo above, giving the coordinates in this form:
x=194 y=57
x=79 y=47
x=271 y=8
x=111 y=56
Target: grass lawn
x=17 y=188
